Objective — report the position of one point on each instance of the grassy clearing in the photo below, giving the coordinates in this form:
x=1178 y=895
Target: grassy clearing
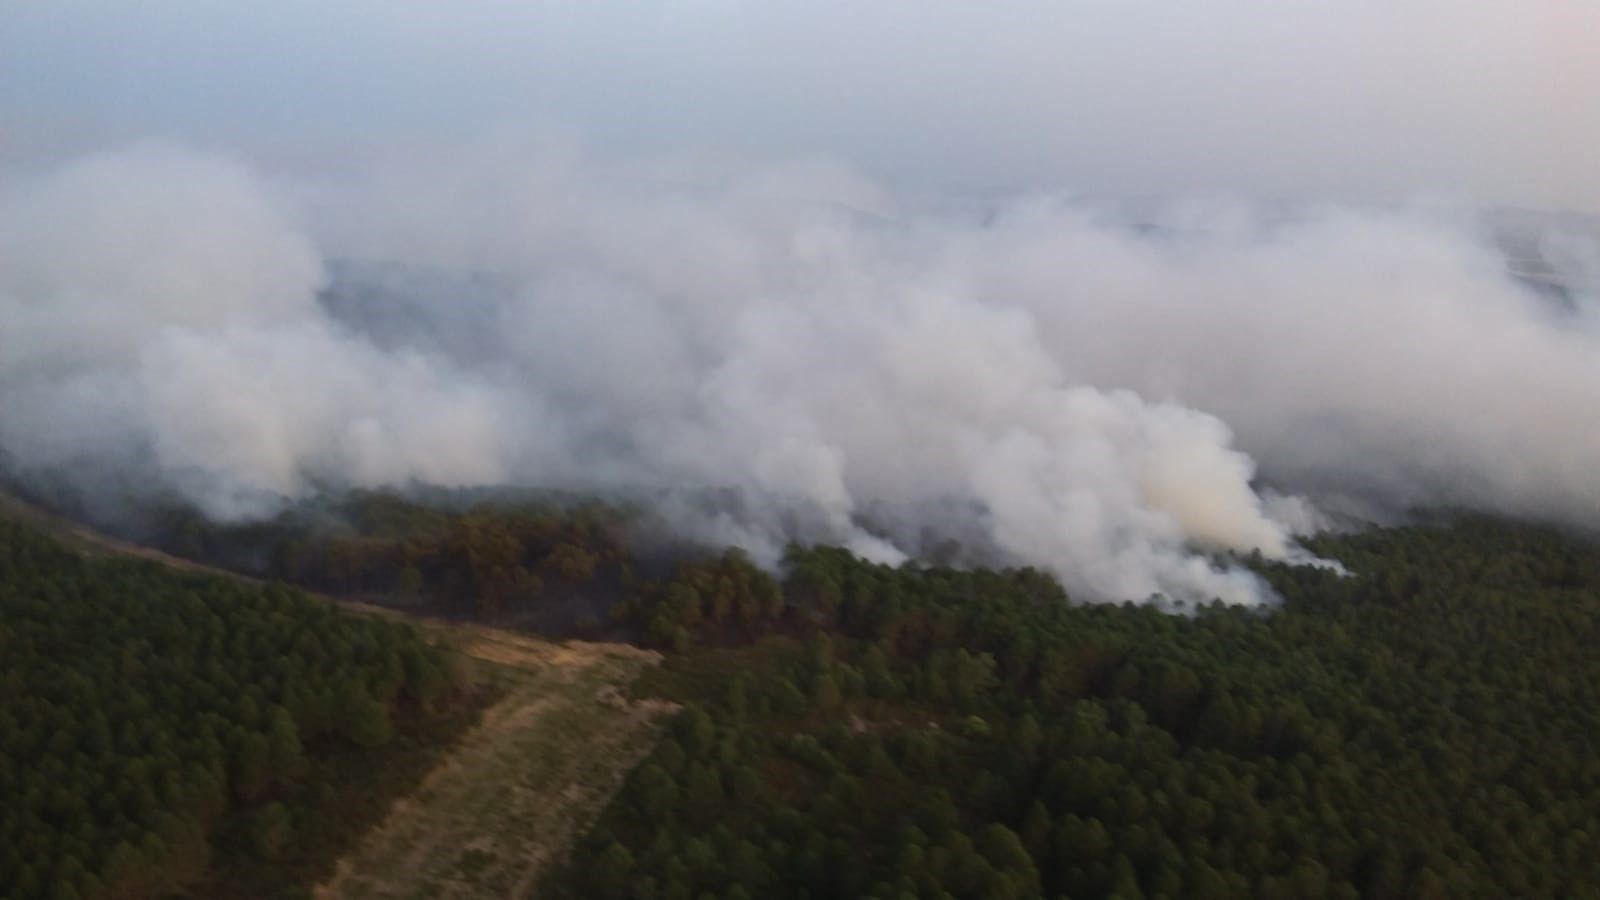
x=364 y=783
x=521 y=785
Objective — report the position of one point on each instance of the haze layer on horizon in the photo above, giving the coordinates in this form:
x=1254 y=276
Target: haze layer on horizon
x=1494 y=103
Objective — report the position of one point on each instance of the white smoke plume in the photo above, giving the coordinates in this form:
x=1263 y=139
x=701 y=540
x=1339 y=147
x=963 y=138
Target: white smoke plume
x=793 y=340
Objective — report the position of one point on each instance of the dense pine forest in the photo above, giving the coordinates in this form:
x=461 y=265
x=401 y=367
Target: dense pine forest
x=1426 y=726
x=163 y=730
x=1429 y=727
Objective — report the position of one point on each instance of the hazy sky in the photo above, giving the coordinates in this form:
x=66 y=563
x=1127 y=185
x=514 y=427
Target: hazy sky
x=1497 y=102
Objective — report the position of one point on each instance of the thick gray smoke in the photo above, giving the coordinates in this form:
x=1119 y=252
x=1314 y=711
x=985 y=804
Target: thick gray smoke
x=1030 y=379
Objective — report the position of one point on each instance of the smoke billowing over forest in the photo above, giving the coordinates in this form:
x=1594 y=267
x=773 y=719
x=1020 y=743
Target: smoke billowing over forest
x=779 y=352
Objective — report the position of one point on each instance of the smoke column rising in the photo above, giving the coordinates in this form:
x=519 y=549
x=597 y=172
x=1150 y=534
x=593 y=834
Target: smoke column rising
x=1047 y=387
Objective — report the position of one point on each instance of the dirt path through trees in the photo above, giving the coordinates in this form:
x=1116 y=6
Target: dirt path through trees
x=522 y=784
x=518 y=788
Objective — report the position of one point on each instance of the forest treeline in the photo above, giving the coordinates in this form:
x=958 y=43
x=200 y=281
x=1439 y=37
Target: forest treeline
x=490 y=559
x=1428 y=727
x=153 y=721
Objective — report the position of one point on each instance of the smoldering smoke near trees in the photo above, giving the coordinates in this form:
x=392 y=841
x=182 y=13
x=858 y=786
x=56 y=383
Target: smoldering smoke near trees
x=1097 y=399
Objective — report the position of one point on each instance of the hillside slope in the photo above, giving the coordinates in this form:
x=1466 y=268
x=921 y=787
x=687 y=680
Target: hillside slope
x=506 y=796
